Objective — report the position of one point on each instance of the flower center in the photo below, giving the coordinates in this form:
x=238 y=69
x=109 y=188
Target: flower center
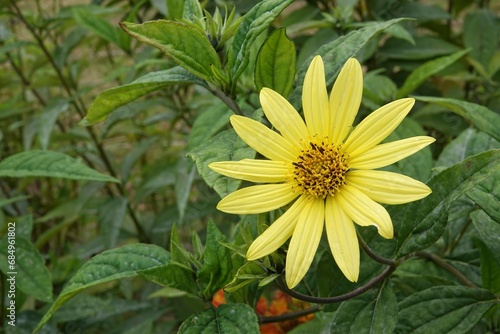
x=320 y=169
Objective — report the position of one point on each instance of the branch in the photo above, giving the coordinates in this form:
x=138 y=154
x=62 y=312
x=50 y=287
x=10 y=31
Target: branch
x=340 y=298
x=445 y=265
x=227 y=100
x=372 y=254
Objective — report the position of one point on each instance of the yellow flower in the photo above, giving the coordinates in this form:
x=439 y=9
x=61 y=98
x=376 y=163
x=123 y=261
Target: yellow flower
x=327 y=165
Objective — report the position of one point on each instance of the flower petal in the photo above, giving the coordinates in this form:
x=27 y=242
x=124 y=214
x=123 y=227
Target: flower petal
x=266 y=171
x=345 y=99
x=315 y=99
x=262 y=139
x=377 y=126
x=342 y=239
x=283 y=116
x=278 y=233
x=258 y=199
x=305 y=241
x=385 y=154
x=387 y=187
x=364 y=211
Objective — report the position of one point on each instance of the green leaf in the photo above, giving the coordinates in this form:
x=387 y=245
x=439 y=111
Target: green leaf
x=92 y=309
x=481 y=117
x=7 y=201
x=47 y=120
x=416 y=274
x=175 y=9
x=113 y=98
x=372 y=312
x=158 y=175
x=470 y=142
x=246 y=274
x=321 y=323
x=443 y=309
x=111 y=217
x=481 y=35
x=208 y=124
x=135 y=154
x=226 y=146
x=167 y=292
x=227 y=318
x=336 y=53
x=417 y=77
x=490 y=268
x=313 y=43
x=425 y=47
x=174 y=276
x=489 y=231
x=192 y=10
x=49 y=164
x=379 y=89
x=420 y=11
x=275 y=67
x=458 y=222
x=10 y=45
x=258 y=19
x=186 y=172
x=425 y=220
x=28 y=270
x=177 y=251
x=185 y=45
x=438 y=118
x=24 y=226
x=487 y=196
x=108 y=266
x=400 y=32
x=217 y=267
x=101 y=28
x=68 y=43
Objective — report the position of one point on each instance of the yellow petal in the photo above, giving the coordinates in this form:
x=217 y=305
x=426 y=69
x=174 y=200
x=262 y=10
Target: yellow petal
x=377 y=126
x=342 y=238
x=262 y=139
x=387 y=187
x=315 y=99
x=364 y=211
x=258 y=199
x=278 y=233
x=345 y=99
x=266 y=171
x=305 y=241
x=283 y=116
x=385 y=154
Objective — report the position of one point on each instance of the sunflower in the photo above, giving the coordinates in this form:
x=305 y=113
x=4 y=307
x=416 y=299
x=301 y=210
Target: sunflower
x=326 y=166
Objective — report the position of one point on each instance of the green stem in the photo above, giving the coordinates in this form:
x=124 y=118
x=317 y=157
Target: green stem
x=459 y=236
x=445 y=265
x=290 y=315
x=448 y=22
x=227 y=100
x=340 y=298
x=23 y=78
x=372 y=254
